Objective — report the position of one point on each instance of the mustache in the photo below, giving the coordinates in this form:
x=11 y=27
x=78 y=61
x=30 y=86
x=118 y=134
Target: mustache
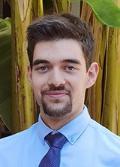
x=56 y=88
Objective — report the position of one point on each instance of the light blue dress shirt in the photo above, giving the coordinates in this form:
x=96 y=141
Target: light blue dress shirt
x=89 y=145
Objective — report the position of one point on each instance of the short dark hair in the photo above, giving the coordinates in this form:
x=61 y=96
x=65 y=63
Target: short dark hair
x=63 y=26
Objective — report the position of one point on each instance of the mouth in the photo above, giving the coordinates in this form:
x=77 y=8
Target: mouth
x=56 y=94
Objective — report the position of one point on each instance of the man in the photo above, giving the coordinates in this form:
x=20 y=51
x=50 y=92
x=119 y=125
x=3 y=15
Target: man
x=61 y=69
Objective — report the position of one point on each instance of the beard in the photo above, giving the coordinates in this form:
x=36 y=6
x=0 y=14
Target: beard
x=56 y=110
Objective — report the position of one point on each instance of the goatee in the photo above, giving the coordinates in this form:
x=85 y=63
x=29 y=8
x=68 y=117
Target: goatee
x=55 y=110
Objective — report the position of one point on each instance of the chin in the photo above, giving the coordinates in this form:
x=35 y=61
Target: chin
x=57 y=111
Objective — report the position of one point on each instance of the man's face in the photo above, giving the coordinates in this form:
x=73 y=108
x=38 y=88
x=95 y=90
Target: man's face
x=59 y=78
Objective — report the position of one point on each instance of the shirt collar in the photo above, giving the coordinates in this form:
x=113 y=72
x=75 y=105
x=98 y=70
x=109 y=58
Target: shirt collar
x=74 y=129
x=78 y=126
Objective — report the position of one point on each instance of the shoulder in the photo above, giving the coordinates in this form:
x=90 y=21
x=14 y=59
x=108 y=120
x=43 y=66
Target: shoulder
x=13 y=148
x=107 y=143
x=14 y=143
x=102 y=131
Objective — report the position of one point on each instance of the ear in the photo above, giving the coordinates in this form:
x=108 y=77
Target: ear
x=92 y=74
x=29 y=74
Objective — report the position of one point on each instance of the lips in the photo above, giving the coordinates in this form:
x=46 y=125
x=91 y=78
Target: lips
x=56 y=94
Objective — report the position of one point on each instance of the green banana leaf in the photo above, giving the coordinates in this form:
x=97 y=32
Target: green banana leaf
x=106 y=11
x=5 y=70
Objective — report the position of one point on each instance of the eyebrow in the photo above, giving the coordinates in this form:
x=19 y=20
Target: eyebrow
x=74 y=61
x=38 y=61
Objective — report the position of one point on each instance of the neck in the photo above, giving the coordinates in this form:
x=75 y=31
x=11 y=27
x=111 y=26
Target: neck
x=57 y=123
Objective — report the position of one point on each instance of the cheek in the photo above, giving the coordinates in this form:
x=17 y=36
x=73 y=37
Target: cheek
x=37 y=81
x=39 y=84
x=36 y=85
x=78 y=88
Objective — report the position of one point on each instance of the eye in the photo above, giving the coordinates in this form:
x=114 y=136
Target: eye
x=69 y=68
x=42 y=69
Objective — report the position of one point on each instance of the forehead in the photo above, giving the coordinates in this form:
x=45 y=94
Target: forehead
x=55 y=51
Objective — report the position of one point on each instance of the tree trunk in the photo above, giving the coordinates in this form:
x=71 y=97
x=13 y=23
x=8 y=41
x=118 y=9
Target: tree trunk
x=103 y=97
x=22 y=101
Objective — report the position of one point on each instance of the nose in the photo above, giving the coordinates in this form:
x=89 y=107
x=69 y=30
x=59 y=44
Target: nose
x=56 y=78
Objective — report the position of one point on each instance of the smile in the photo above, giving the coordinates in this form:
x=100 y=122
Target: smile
x=56 y=94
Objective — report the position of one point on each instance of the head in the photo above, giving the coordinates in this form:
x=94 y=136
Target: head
x=64 y=26
x=60 y=51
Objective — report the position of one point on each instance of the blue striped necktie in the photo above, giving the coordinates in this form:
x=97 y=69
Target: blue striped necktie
x=52 y=158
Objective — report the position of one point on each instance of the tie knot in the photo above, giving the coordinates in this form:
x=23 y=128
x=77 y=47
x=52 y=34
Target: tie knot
x=56 y=140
